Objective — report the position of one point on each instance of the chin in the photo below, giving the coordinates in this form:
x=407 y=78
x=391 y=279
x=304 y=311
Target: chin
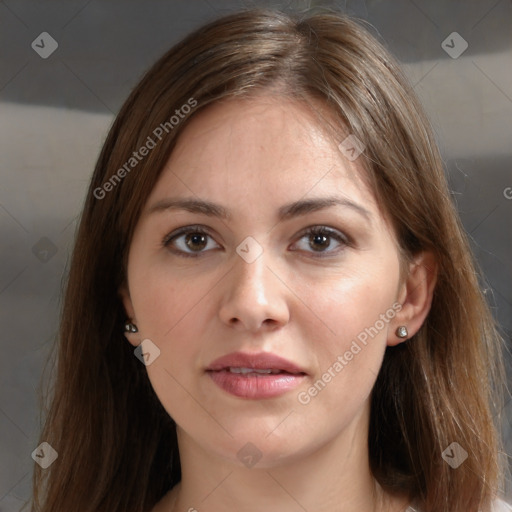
x=254 y=445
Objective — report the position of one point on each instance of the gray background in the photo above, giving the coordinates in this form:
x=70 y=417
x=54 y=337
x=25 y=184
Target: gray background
x=55 y=113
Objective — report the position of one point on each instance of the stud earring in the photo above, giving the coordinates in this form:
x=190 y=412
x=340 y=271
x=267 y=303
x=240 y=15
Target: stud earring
x=129 y=327
x=401 y=332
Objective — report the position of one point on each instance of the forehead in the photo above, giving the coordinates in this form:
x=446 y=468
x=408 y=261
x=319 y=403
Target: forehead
x=263 y=146
x=258 y=126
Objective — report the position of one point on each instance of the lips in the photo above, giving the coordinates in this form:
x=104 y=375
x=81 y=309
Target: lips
x=260 y=361
x=255 y=376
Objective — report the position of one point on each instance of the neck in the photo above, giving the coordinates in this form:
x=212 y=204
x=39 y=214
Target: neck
x=334 y=477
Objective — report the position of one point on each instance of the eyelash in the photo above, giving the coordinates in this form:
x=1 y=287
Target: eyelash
x=200 y=230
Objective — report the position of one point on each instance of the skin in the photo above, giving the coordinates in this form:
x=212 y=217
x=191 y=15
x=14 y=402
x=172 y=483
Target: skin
x=252 y=157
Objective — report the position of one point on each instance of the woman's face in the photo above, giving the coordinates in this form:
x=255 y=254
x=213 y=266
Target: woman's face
x=255 y=283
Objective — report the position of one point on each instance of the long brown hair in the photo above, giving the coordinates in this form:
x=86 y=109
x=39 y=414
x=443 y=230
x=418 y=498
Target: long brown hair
x=116 y=445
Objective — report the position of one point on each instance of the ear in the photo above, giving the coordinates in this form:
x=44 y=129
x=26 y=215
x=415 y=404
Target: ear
x=124 y=294
x=415 y=295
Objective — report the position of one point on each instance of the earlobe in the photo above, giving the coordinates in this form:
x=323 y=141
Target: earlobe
x=415 y=297
x=131 y=331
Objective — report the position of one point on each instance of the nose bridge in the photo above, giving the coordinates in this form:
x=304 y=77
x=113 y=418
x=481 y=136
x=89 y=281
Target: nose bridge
x=250 y=277
x=253 y=295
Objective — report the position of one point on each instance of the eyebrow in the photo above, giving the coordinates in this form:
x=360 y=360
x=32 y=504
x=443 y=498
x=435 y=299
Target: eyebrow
x=285 y=212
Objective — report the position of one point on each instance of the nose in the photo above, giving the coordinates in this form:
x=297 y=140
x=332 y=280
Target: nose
x=254 y=297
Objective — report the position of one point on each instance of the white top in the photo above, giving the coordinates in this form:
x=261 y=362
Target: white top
x=499 y=506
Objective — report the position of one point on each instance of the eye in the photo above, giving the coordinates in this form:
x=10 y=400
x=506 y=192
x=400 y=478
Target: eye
x=192 y=241
x=188 y=241
x=320 y=239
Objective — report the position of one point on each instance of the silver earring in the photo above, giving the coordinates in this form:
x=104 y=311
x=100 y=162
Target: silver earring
x=129 y=327
x=401 y=332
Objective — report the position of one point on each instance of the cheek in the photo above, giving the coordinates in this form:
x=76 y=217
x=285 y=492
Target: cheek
x=347 y=305
x=353 y=314
x=163 y=301
x=175 y=310
x=173 y=316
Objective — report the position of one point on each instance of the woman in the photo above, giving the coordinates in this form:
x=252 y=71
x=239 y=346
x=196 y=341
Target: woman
x=272 y=304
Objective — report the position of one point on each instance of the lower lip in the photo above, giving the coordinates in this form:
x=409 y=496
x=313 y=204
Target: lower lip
x=255 y=386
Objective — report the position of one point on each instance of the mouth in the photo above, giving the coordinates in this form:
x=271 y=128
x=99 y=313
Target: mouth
x=255 y=376
x=261 y=362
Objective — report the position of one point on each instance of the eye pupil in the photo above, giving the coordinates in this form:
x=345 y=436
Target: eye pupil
x=321 y=240
x=196 y=239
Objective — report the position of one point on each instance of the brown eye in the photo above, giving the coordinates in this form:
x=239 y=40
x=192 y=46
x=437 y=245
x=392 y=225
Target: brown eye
x=320 y=239
x=189 y=241
x=196 y=241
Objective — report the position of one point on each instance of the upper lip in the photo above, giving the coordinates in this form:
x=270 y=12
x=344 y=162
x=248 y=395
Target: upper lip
x=259 y=361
